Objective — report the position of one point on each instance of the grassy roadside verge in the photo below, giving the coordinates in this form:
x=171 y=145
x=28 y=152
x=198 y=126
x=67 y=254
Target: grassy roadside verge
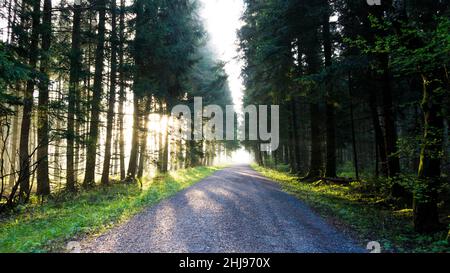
x=347 y=206
x=42 y=228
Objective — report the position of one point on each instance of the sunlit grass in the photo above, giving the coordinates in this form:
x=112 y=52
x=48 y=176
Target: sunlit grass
x=362 y=213
x=43 y=228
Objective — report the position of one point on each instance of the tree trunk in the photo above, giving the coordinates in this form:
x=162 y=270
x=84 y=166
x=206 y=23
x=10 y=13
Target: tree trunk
x=19 y=39
x=179 y=153
x=165 y=159
x=138 y=93
x=24 y=156
x=91 y=153
x=144 y=135
x=390 y=136
x=388 y=113
x=313 y=63
x=56 y=154
x=296 y=139
x=315 y=168
x=122 y=95
x=379 y=141
x=352 y=120
x=15 y=137
x=13 y=36
x=330 y=169
x=43 y=183
x=132 y=166
x=74 y=80
x=426 y=217
x=10 y=21
x=112 y=97
x=160 y=162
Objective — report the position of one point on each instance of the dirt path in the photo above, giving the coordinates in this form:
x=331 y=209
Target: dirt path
x=234 y=210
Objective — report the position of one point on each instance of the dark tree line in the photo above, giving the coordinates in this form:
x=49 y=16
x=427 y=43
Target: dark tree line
x=364 y=92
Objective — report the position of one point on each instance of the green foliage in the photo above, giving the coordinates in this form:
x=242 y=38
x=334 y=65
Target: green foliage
x=11 y=71
x=346 y=170
x=42 y=228
x=363 y=213
x=419 y=50
x=168 y=35
x=409 y=146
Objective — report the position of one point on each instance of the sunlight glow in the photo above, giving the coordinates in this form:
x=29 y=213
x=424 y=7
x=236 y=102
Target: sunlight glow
x=241 y=156
x=222 y=20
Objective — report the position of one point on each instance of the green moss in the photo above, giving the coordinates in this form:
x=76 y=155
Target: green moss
x=43 y=228
x=363 y=213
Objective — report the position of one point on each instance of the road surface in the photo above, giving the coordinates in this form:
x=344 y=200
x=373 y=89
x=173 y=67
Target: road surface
x=235 y=210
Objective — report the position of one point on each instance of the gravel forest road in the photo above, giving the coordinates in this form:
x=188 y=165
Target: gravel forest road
x=235 y=210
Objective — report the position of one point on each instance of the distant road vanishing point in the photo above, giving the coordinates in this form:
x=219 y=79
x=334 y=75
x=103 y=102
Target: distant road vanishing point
x=235 y=210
